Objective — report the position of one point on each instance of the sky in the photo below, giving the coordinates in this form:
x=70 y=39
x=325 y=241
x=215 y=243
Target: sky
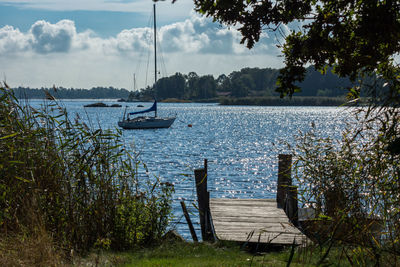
x=84 y=44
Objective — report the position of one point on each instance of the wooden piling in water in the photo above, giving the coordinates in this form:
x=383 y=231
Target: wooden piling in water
x=286 y=196
x=291 y=205
x=203 y=199
x=189 y=222
x=284 y=178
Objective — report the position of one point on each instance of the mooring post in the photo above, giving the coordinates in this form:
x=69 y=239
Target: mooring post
x=284 y=178
x=286 y=195
x=189 y=221
x=291 y=205
x=203 y=199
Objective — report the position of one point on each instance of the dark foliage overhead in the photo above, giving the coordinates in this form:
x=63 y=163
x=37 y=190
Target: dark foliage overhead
x=354 y=37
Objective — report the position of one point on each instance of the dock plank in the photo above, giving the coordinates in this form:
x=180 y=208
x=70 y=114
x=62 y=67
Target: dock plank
x=253 y=220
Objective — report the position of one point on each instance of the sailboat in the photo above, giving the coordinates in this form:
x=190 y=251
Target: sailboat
x=147 y=122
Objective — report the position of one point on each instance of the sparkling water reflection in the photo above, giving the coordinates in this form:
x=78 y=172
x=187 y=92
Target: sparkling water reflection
x=241 y=144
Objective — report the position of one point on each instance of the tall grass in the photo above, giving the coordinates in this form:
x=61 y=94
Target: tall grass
x=79 y=184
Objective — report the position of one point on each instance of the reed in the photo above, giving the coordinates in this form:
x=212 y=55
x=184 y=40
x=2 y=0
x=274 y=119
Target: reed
x=78 y=183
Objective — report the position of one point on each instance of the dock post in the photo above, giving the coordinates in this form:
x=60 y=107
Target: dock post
x=203 y=199
x=286 y=195
x=189 y=222
x=284 y=178
x=291 y=207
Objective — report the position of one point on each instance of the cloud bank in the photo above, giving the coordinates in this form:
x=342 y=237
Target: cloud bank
x=190 y=45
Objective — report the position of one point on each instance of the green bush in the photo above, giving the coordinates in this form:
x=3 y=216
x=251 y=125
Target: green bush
x=80 y=183
x=353 y=183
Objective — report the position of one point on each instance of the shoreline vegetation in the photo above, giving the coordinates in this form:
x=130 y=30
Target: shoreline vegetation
x=253 y=101
x=249 y=86
x=68 y=189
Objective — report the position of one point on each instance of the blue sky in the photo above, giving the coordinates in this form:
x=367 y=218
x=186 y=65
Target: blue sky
x=81 y=44
x=95 y=17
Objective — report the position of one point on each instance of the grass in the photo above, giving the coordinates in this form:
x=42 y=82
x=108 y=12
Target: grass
x=39 y=251
x=35 y=250
x=202 y=254
x=178 y=253
x=226 y=254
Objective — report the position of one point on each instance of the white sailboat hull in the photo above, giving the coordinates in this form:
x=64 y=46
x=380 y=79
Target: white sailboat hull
x=146 y=123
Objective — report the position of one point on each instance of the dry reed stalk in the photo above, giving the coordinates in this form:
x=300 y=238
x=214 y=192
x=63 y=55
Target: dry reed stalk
x=37 y=249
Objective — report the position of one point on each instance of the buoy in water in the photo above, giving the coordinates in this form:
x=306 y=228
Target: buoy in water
x=189 y=125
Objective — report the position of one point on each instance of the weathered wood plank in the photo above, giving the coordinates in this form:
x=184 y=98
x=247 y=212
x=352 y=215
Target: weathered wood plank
x=271 y=227
x=248 y=229
x=252 y=200
x=270 y=238
x=249 y=202
x=253 y=220
x=248 y=213
x=247 y=208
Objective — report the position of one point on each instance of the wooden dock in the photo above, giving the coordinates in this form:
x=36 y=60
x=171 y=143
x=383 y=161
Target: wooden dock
x=265 y=221
x=253 y=220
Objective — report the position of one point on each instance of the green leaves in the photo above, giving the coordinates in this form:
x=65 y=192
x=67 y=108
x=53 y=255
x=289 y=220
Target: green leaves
x=354 y=93
x=352 y=36
x=8 y=136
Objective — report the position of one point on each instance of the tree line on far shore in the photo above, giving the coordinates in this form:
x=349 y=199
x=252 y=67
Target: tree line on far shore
x=71 y=93
x=248 y=82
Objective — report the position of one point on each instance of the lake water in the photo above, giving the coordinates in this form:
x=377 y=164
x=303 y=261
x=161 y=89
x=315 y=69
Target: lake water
x=241 y=144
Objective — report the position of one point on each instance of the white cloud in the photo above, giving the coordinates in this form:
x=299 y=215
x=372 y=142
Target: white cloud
x=36 y=57
x=48 y=38
x=12 y=40
x=133 y=40
x=44 y=38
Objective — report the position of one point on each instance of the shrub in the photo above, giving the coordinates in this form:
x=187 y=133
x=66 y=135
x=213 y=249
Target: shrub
x=353 y=183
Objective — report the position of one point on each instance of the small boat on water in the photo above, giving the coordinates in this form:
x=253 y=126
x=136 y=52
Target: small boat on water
x=101 y=105
x=145 y=122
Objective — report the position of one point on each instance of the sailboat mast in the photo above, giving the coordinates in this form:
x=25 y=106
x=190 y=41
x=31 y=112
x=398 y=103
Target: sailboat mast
x=155 y=44
x=155 y=53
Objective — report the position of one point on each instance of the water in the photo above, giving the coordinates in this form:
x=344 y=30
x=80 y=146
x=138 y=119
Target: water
x=241 y=144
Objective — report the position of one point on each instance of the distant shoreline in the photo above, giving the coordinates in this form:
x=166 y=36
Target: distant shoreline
x=244 y=101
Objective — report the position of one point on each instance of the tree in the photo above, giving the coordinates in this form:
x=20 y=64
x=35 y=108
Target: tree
x=173 y=86
x=207 y=87
x=221 y=80
x=355 y=37
x=241 y=84
x=191 y=85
